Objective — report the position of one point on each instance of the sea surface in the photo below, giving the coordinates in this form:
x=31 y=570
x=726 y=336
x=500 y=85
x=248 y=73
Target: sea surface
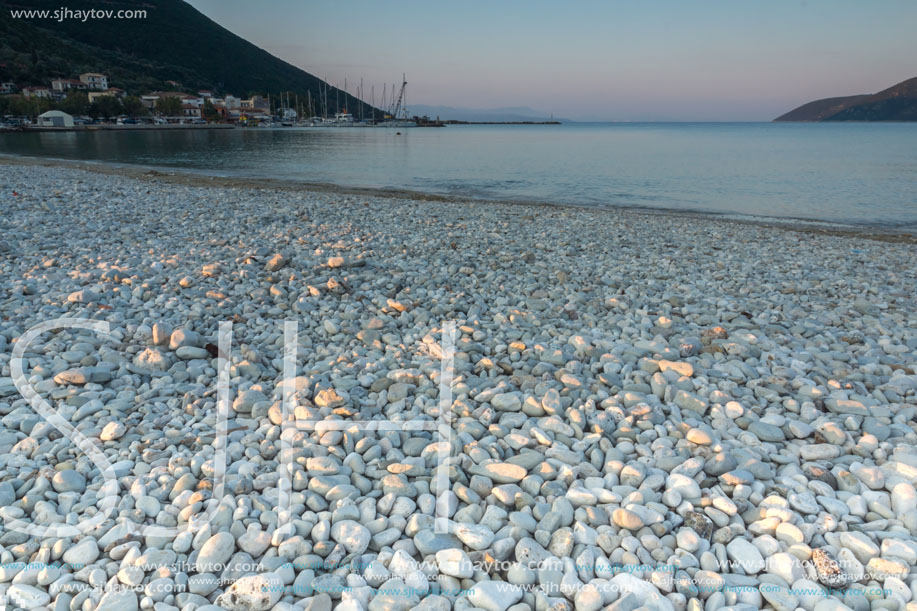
x=861 y=174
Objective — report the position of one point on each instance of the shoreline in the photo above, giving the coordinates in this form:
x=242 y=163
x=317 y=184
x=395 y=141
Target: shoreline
x=202 y=178
x=122 y=128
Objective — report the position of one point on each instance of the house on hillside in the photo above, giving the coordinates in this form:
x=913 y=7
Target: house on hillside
x=111 y=91
x=8 y=88
x=191 y=111
x=95 y=80
x=60 y=85
x=256 y=101
x=229 y=101
x=149 y=100
x=36 y=92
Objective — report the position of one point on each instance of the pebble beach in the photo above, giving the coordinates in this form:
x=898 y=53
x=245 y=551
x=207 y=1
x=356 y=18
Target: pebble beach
x=648 y=411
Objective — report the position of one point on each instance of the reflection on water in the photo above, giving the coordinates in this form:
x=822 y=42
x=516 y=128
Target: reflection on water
x=857 y=173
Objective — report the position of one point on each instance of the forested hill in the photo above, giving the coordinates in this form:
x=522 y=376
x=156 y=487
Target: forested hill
x=175 y=42
x=897 y=103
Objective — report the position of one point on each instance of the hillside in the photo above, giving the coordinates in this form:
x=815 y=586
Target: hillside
x=174 y=42
x=897 y=103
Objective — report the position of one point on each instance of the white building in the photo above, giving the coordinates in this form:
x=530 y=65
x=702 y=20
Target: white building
x=60 y=85
x=55 y=118
x=231 y=101
x=95 y=80
x=36 y=92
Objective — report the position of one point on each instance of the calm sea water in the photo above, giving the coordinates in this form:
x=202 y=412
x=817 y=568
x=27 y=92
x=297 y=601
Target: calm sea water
x=861 y=174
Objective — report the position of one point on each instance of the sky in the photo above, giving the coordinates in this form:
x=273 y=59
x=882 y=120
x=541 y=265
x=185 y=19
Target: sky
x=593 y=60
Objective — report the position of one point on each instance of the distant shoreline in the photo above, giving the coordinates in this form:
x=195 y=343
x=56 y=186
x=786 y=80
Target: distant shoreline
x=457 y=122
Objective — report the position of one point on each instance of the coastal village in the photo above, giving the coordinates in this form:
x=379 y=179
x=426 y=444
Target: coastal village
x=90 y=98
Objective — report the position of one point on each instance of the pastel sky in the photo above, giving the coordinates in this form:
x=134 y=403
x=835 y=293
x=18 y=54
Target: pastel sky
x=602 y=60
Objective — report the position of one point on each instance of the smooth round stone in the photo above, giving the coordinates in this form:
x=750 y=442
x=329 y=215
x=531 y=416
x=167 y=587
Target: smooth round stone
x=255 y=541
x=779 y=597
x=708 y=583
x=688 y=540
x=475 y=536
x=903 y=498
x=684 y=485
x=766 y=432
x=804 y=503
x=376 y=573
x=502 y=473
x=507 y=402
x=394 y=595
x=120 y=599
x=188 y=353
x=113 y=431
x=454 y=562
x=148 y=505
x=720 y=463
x=494 y=596
x=699 y=436
x=737 y=477
x=215 y=553
x=808 y=592
x=746 y=555
x=184 y=337
x=203 y=584
x=352 y=535
x=627 y=519
x=68 y=480
x=27 y=596
x=786 y=566
x=427 y=542
x=82 y=554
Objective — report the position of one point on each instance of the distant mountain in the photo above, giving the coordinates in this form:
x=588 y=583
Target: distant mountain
x=510 y=113
x=897 y=103
x=174 y=42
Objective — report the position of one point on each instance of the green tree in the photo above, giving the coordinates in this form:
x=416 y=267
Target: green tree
x=169 y=106
x=106 y=106
x=19 y=106
x=209 y=111
x=76 y=103
x=134 y=107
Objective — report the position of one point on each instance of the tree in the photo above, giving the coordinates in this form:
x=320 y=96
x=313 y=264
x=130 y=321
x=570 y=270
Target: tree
x=134 y=107
x=106 y=106
x=19 y=106
x=76 y=103
x=169 y=106
x=209 y=111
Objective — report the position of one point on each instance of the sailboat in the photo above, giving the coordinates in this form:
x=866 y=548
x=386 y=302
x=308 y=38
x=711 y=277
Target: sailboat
x=399 y=114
